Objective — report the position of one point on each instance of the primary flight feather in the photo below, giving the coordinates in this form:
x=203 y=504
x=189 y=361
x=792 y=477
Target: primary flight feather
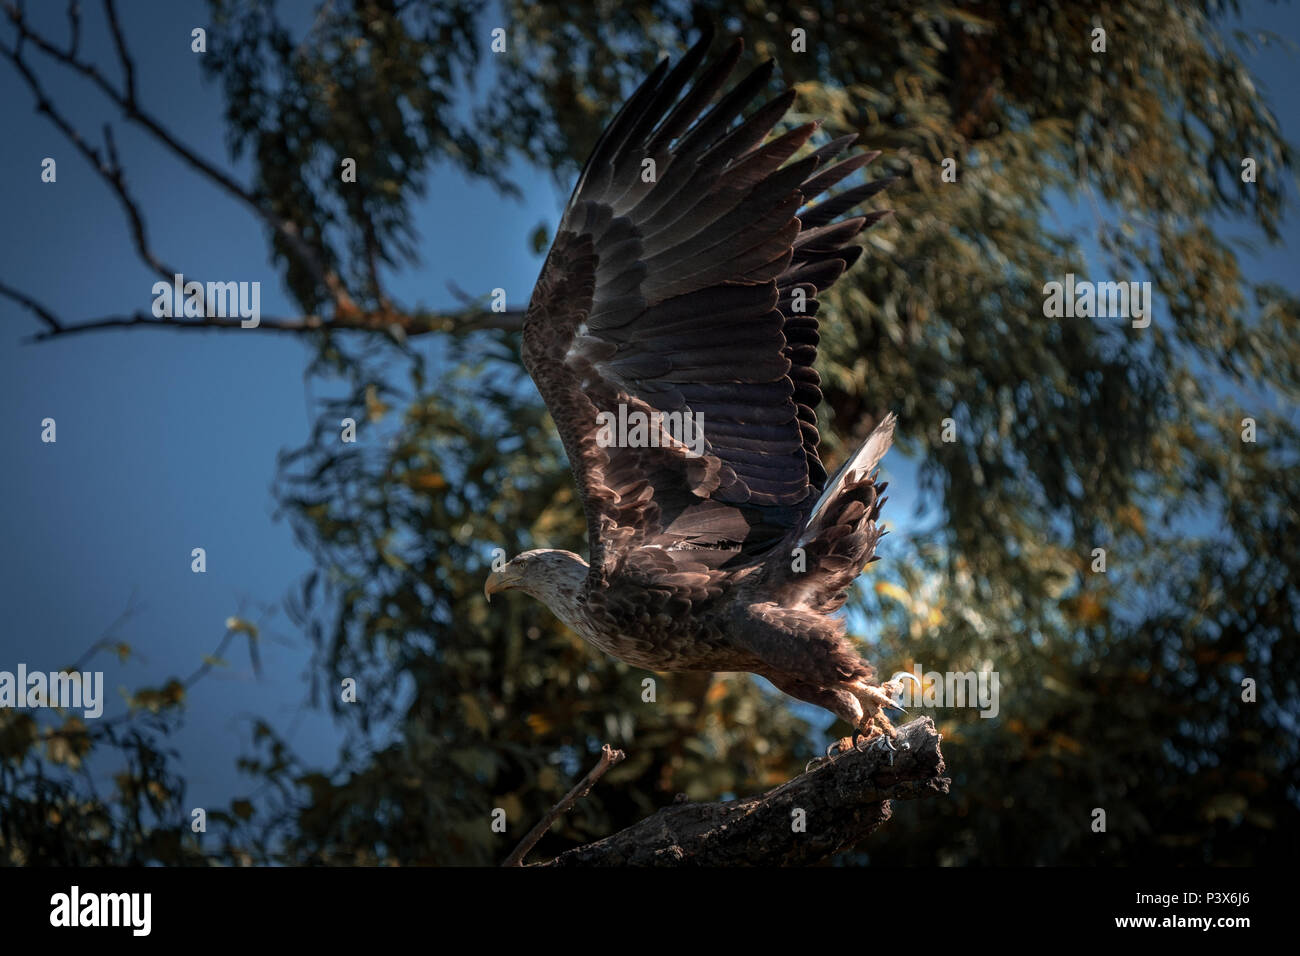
x=681 y=288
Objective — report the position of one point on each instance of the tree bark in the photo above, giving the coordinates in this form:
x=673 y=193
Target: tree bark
x=841 y=801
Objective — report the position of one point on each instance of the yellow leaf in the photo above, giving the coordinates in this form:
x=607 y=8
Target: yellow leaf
x=1224 y=806
x=1062 y=742
x=474 y=716
x=427 y=480
x=1085 y=608
x=889 y=589
x=375 y=407
x=538 y=724
x=239 y=624
x=1133 y=518
x=173 y=692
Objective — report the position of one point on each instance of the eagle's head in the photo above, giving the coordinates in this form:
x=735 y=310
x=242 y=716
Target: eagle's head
x=553 y=577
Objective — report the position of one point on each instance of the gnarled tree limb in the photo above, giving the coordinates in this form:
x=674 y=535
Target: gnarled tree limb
x=842 y=801
x=342 y=311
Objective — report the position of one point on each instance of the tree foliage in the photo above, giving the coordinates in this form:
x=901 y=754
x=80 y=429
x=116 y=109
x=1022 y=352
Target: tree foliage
x=1120 y=690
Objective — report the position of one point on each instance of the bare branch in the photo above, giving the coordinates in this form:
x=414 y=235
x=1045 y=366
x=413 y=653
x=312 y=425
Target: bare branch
x=842 y=802
x=110 y=170
x=306 y=323
x=407 y=325
x=108 y=724
x=128 y=67
x=346 y=315
x=608 y=758
x=74 y=27
x=27 y=302
x=106 y=638
x=288 y=231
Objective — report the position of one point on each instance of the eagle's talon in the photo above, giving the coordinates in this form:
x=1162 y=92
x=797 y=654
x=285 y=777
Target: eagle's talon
x=884 y=738
x=817 y=763
x=838 y=747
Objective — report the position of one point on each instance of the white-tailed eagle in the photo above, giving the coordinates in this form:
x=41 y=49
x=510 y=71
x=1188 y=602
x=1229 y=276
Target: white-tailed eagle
x=683 y=282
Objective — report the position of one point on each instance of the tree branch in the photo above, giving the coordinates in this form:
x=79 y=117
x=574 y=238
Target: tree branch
x=74 y=27
x=110 y=169
x=126 y=100
x=398 y=324
x=384 y=318
x=128 y=65
x=608 y=758
x=40 y=311
x=842 y=802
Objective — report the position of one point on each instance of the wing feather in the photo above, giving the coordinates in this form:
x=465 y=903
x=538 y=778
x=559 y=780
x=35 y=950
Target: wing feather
x=690 y=291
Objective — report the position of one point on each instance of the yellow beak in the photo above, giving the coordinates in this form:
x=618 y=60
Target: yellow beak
x=502 y=580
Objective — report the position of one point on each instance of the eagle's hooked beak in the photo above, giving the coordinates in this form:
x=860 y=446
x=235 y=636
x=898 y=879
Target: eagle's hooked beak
x=502 y=580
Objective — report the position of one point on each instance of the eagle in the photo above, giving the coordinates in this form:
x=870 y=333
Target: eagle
x=680 y=290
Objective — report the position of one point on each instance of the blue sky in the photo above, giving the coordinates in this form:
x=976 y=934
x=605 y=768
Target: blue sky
x=167 y=441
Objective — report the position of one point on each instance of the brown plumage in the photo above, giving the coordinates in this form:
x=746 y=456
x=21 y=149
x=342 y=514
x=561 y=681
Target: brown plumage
x=693 y=290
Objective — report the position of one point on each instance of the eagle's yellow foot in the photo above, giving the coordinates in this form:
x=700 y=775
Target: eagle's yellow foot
x=872 y=729
x=885 y=733
x=875 y=700
x=878 y=697
x=876 y=730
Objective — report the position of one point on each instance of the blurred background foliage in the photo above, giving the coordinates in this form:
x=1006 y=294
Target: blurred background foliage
x=1120 y=690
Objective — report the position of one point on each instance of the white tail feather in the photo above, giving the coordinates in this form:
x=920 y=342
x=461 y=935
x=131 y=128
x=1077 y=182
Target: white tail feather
x=864 y=461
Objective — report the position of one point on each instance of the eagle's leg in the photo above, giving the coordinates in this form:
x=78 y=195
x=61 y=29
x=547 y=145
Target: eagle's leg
x=860 y=703
x=838 y=699
x=875 y=698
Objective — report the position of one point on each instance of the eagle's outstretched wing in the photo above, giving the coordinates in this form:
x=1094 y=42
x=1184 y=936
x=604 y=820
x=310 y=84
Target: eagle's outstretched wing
x=682 y=280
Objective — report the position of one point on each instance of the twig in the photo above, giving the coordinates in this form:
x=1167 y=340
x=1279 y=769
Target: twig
x=103 y=640
x=412 y=325
x=74 y=27
x=41 y=312
x=110 y=169
x=345 y=315
x=106 y=724
x=306 y=323
x=125 y=99
x=128 y=66
x=608 y=758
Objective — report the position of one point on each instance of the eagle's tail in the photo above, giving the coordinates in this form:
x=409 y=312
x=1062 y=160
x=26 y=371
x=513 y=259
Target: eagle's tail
x=839 y=536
